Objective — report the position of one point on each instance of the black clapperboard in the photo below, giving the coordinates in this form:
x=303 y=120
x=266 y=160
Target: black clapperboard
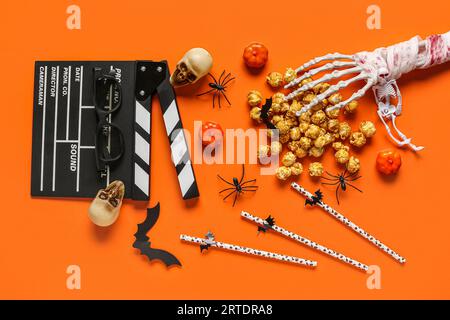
x=65 y=122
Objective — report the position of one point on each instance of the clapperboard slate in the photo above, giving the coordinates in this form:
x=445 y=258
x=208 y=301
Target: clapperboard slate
x=64 y=127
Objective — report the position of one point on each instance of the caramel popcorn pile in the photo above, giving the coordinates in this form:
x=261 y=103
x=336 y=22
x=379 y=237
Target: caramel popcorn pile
x=311 y=133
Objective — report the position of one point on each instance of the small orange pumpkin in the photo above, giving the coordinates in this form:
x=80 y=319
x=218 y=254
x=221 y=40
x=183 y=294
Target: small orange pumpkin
x=388 y=162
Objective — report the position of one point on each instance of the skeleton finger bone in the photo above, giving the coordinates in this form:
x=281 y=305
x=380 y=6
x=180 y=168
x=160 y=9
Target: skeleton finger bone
x=330 y=56
x=334 y=88
x=330 y=76
x=358 y=94
x=312 y=72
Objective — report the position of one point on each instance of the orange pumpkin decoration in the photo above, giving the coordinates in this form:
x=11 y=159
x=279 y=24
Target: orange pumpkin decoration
x=388 y=162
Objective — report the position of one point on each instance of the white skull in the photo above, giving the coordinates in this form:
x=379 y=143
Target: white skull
x=195 y=64
x=104 y=209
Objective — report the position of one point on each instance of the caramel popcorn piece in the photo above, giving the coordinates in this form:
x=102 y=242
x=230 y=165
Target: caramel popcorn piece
x=275 y=108
x=320 y=142
x=278 y=98
x=351 y=107
x=295 y=106
x=305 y=81
x=344 y=130
x=315 y=169
x=274 y=79
x=353 y=164
x=291 y=120
x=317 y=107
x=293 y=145
x=283 y=173
x=254 y=98
x=296 y=169
x=283 y=126
x=255 y=114
x=339 y=145
x=305 y=143
x=324 y=87
x=342 y=156
x=333 y=125
x=305 y=117
x=289 y=75
x=316 y=152
x=323 y=140
x=316 y=89
x=307 y=98
x=263 y=151
x=276 y=119
x=295 y=133
x=301 y=153
x=284 y=138
x=275 y=147
x=288 y=159
x=333 y=114
x=367 y=128
x=335 y=98
x=357 y=139
x=277 y=101
x=284 y=107
x=303 y=126
x=318 y=117
x=313 y=131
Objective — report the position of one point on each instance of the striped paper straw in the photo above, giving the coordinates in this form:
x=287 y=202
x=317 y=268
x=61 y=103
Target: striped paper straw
x=250 y=251
x=307 y=242
x=350 y=224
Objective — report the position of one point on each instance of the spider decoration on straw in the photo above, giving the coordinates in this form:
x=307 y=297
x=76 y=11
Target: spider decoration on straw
x=219 y=88
x=238 y=186
x=342 y=180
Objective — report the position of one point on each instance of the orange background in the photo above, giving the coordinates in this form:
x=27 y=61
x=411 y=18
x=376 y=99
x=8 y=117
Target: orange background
x=39 y=238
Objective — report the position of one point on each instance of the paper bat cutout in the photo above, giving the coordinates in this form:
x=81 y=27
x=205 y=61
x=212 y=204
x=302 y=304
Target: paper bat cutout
x=144 y=245
x=315 y=199
x=268 y=223
x=265 y=114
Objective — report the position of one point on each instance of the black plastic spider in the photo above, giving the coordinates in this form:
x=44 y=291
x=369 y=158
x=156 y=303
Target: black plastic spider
x=219 y=88
x=342 y=181
x=238 y=186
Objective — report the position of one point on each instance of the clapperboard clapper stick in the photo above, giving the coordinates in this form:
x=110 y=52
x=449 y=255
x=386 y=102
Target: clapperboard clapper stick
x=349 y=224
x=304 y=241
x=209 y=241
x=154 y=77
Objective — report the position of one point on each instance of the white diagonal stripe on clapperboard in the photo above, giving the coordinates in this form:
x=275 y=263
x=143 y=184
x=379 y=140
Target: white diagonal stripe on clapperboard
x=171 y=117
x=142 y=117
x=141 y=179
x=142 y=148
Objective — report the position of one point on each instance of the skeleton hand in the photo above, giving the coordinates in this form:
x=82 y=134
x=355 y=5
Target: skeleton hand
x=379 y=68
